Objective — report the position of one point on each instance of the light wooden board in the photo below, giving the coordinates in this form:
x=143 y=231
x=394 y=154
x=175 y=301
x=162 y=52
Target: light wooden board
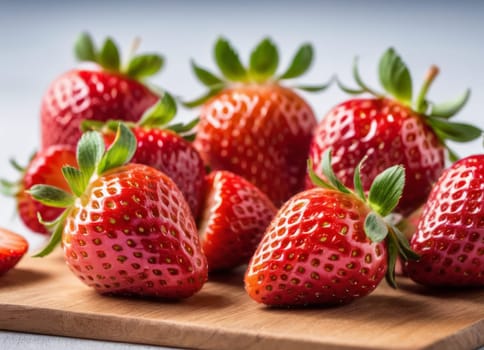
x=41 y=296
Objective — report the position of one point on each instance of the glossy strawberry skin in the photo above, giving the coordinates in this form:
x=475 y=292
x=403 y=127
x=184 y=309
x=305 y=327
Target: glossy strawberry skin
x=261 y=132
x=316 y=252
x=171 y=154
x=450 y=234
x=389 y=134
x=12 y=248
x=93 y=95
x=236 y=214
x=132 y=233
x=45 y=168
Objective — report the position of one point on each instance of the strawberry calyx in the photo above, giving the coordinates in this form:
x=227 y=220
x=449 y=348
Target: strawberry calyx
x=396 y=81
x=160 y=115
x=14 y=188
x=262 y=67
x=138 y=67
x=94 y=160
x=382 y=198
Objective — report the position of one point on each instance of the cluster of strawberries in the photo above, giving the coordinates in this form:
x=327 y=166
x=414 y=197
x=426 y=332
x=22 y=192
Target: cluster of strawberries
x=147 y=207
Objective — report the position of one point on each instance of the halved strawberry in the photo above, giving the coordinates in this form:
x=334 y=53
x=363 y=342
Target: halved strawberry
x=44 y=168
x=252 y=125
x=235 y=216
x=106 y=90
x=12 y=249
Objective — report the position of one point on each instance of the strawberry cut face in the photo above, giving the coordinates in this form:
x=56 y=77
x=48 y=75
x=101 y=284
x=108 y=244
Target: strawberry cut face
x=316 y=252
x=388 y=133
x=450 y=233
x=12 y=249
x=132 y=233
x=235 y=217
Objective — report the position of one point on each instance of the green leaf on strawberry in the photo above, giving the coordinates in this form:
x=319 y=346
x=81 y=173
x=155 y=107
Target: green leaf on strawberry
x=53 y=196
x=85 y=49
x=375 y=227
x=459 y=132
x=109 y=55
x=385 y=192
x=204 y=76
x=450 y=108
x=120 y=152
x=139 y=67
x=387 y=189
x=395 y=76
x=161 y=113
x=228 y=61
x=264 y=61
x=142 y=66
x=262 y=67
x=92 y=159
x=300 y=63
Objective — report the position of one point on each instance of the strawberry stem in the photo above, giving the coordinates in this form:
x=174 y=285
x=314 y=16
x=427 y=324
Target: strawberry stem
x=421 y=103
x=134 y=47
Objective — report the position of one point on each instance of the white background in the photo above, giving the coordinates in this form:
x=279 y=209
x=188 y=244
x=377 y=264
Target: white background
x=36 y=40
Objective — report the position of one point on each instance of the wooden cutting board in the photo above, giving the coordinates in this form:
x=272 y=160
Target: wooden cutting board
x=41 y=296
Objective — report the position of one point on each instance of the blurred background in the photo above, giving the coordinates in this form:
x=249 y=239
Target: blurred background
x=36 y=39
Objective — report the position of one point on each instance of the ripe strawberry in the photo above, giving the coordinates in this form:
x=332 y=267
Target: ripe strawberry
x=166 y=148
x=329 y=245
x=390 y=130
x=44 y=168
x=104 y=91
x=127 y=229
x=450 y=234
x=12 y=248
x=253 y=126
x=235 y=216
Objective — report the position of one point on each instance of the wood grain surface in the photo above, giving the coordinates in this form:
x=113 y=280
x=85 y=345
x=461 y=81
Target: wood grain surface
x=42 y=296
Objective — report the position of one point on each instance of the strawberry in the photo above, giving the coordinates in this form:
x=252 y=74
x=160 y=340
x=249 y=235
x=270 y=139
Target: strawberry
x=329 y=245
x=44 y=168
x=12 y=248
x=100 y=92
x=235 y=216
x=164 y=147
x=450 y=233
x=127 y=228
x=390 y=130
x=253 y=126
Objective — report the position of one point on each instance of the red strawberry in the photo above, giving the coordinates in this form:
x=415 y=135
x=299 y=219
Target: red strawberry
x=104 y=92
x=44 y=168
x=127 y=229
x=235 y=216
x=12 y=249
x=253 y=126
x=165 y=148
x=450 y=234
x=391 y=131
x=326 y=245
